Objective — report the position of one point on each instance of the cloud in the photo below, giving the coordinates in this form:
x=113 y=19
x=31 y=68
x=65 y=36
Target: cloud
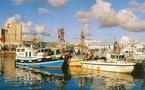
x=14 y=19
x=84 y=18
x=108 y=17
x=22 y=1
x=133 y=6
x=28 y=27
x=31 y=31
x=104 y=13
x=17 y=19
x=86 y=29
x=125 y=40
x=52 y=3
x=40 y=28
x=142 y=8
x=136 y=6
x=57 y=3
x=124 y=16
x=136 y=26
x=43 y=11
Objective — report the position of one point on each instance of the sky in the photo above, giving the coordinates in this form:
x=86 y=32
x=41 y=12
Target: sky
x=102 y=20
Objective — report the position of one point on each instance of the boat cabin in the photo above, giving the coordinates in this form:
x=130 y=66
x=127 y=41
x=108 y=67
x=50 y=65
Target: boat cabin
x=115 y=57
x=48 y=51
x=25 y=52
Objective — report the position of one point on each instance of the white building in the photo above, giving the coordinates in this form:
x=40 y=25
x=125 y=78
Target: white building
x=93 y=44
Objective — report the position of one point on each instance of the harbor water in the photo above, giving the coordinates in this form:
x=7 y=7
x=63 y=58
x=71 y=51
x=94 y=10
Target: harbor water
x=68 y=78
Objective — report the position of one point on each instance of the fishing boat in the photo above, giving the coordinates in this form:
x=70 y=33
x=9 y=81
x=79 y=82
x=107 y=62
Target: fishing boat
x=114 y=63
x=28 y=56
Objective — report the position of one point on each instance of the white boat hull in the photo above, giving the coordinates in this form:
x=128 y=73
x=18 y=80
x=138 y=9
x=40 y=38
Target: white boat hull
x=112 y=67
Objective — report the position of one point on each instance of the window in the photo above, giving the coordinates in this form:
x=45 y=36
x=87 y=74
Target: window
x=126 y=51
x=112 y=56
x=29 y=54
x=52 y=52
x=26 y=54
x=58 y=51
x=23 y=50
x=18 y=50
x=39 y=50
x=122 y=56
x=46 y=50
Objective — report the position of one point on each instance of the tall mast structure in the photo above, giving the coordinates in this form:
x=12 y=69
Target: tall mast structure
x=61 y=33
x=82 y=40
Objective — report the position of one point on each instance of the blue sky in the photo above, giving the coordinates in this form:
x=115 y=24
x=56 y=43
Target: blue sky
x=62 y=13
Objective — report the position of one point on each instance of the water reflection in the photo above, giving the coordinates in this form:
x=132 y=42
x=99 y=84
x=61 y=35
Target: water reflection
x=37 y=78
x=7 y=67
x=28 y=78
x=106 y=80
x=68 y=79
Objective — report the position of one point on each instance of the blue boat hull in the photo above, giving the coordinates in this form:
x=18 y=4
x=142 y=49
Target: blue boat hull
x=55 y=63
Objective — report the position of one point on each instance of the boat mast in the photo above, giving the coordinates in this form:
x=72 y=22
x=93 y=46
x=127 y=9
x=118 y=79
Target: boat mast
x=61 y=33
x=82 y=39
